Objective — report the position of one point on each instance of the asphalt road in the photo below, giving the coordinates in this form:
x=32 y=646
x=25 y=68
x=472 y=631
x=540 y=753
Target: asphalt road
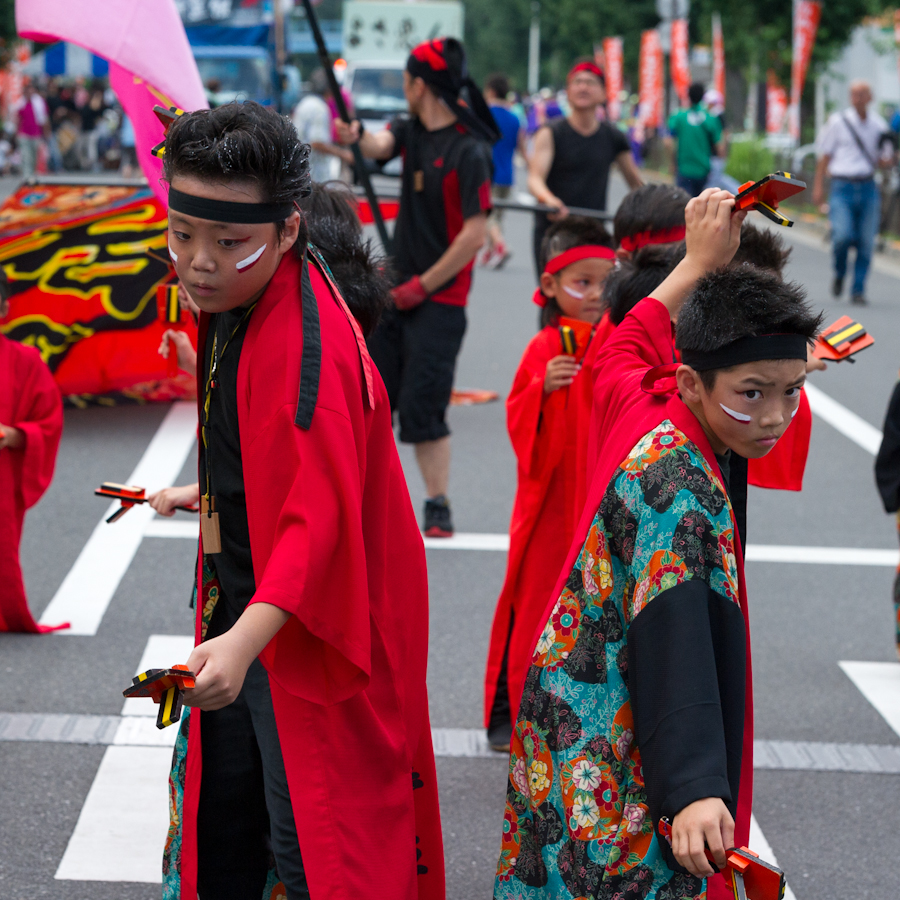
x=835 y=833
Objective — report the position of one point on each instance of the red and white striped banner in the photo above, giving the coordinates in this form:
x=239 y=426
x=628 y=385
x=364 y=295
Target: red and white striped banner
x=806 y=22
x=651 y=79
x=718 y=49
x=776 y=104
x=678 y=60
x=613 y=56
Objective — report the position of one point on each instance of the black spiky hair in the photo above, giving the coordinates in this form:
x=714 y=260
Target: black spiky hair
x=638 y=277
x=762 y=248
x=735 y=303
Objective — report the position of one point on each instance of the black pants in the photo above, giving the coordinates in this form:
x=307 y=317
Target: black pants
x=415 y=352
x=245 y=816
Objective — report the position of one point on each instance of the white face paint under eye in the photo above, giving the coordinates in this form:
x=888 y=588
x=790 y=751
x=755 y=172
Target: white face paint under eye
x=572 y=292
x=251 y=260
x=173 y=254
x=743 y=418
x=794 y=413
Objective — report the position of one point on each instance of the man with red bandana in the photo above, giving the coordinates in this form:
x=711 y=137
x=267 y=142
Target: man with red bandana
x=446 y=196
x=570 y=163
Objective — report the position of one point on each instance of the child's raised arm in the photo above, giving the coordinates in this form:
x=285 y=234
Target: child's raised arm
x=712 y=236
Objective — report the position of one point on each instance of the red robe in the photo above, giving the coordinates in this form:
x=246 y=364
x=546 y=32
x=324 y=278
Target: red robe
x=29 y=401
x=549 y=437
x=335 y=543
x=629 y=401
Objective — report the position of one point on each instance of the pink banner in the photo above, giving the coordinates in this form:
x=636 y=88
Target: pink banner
x=718 y=48
x=806 y=22
x=776 y=104
x=147 y=49
x=612 y=52
x=651 y=79
x=678 y=60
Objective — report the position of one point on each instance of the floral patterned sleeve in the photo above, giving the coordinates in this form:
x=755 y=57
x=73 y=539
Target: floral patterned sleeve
x=675 y=520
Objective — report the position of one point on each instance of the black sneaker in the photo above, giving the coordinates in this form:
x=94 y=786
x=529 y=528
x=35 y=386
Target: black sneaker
x=858 y=299
x=499 y=736
x=837 y=287
x=438 y=522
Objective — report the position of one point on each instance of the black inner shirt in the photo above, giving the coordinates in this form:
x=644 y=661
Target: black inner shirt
x=234 y=565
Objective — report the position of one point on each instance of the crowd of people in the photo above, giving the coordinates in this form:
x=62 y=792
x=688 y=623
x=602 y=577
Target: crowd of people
x=667 y=375
x=67 y=125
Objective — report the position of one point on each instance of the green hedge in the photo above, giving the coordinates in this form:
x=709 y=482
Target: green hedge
x=747 y=159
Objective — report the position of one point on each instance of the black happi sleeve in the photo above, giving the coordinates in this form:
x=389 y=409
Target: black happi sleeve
x=686 y=657
x=474 y=172
x=887 y=463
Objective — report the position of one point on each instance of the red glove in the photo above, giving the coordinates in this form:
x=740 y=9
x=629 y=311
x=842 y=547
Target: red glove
x=409 y=294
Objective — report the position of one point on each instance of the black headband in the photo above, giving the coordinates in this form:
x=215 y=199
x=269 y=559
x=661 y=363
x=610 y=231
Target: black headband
x=747 y=349
x=225 y=211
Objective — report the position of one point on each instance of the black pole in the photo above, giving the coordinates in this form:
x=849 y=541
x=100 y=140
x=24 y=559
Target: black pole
x=344 y=113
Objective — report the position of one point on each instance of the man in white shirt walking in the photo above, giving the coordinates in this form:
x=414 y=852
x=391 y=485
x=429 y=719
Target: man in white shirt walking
x=850 y=149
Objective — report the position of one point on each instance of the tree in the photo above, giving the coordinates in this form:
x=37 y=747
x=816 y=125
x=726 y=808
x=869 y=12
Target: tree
x=7 y=29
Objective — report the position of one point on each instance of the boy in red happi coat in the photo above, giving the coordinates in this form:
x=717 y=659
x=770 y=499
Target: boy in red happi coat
x=548 y=410
x=31 y=422
x=306 y=758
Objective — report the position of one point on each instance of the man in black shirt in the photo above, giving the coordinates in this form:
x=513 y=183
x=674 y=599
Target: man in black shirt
x=445 y=199
x=570 y=162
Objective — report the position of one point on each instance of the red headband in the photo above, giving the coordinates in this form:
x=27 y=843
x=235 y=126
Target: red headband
x=632 y=242
x=572 y=255
x=586 y=66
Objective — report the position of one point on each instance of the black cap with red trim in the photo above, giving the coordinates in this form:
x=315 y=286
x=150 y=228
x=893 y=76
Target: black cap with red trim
x=441 y=64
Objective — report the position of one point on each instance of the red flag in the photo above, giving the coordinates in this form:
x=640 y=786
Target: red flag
x=651 y=79
x=776 y=104
x=806 y=22
x=678 y=60
x=612 y=51
x=718 y=43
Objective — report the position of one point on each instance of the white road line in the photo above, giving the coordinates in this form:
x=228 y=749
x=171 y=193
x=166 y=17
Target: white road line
x=879 y=683
x=835 y=556
x=760 y=846
x=87 y=590
x=121 y=832
x=122 y=828
x=843 y=420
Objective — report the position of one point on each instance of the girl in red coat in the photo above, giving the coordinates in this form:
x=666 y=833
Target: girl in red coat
x=31 y=422
x=548 y=411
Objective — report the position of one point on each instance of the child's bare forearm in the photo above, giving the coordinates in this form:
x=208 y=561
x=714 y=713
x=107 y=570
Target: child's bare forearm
x=258 y=624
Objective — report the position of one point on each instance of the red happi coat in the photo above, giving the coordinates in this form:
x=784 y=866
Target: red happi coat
x=29 y=401
x=549 y=437
x=630 y=399
x=335 y=543
x=781 y=469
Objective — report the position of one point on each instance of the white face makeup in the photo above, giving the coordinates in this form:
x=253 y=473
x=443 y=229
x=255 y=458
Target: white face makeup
x=173 y=254
x=737 y=416
x=578 y=295
x=248 y=263
x=794 y=413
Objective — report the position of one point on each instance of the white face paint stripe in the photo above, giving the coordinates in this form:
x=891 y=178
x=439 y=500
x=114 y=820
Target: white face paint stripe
x=251 y=260
x=573 y=293
x=173 y=254
x=738 y=417
x=794 y=413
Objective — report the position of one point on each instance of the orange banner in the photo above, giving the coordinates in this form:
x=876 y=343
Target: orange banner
x=613 y=54
x=718 y=48
x=83 y=263
x=807 y=14
x=678 y=60
x=776 y=104
x=651 y=79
